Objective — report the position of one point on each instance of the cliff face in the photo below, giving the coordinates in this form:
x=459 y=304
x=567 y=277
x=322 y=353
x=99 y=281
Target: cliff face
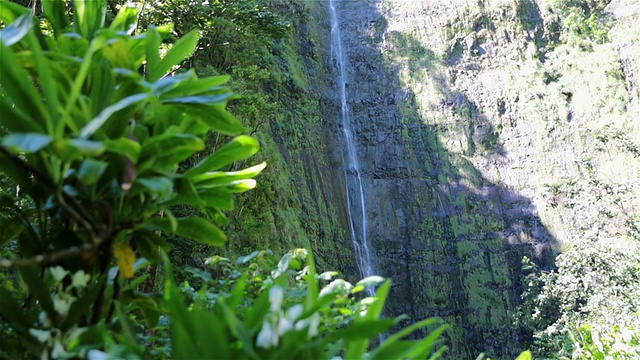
x=484 y=135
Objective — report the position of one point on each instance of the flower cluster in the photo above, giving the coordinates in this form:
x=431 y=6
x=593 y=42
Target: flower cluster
x=278 y=322
x=52 y=339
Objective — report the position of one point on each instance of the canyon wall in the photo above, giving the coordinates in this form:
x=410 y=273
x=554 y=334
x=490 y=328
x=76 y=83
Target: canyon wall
x=484 y=136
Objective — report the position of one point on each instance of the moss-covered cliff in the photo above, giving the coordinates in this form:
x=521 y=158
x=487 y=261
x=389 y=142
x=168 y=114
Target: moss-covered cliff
x=487 y=130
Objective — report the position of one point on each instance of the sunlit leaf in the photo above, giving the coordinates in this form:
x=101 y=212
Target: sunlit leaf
x=27 y=143
x=215 y=117
x=104 y=115
x=181 y=50
x=240 y=148
x=89 y=16
x=70 y=149
x=126 y=20
x=125 y=147
x=17 y=30
x=195 y=228
x=159 y=186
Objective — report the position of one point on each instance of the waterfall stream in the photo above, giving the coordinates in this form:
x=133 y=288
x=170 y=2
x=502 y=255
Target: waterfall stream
x=355 y=190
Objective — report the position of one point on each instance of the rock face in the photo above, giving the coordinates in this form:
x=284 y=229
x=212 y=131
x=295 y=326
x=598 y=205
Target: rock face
x=473 y=123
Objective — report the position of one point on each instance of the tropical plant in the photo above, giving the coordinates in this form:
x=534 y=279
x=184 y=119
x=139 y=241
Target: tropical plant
x=95 y=125
x=265 y=308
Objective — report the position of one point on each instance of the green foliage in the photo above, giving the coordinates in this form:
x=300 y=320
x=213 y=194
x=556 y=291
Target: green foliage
x=265 y=308
x=91 y=158
x=579 y=23
x=97 y=127
x=230 y=30
x=588 y=305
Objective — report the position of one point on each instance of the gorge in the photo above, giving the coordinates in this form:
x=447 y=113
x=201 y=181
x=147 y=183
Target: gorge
x=469 y=120
x=215 y=187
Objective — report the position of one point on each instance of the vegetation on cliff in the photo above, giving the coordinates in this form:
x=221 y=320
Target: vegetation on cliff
x=515 y=128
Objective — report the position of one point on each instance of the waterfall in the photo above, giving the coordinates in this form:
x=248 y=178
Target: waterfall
x=355 y=190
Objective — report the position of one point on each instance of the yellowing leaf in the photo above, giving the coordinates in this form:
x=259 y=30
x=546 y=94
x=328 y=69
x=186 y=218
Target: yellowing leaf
x=125 y=258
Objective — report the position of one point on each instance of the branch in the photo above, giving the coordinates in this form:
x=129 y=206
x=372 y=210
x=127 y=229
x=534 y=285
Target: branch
x=46 y=259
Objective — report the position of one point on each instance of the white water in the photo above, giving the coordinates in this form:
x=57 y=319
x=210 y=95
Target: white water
x=355 y=191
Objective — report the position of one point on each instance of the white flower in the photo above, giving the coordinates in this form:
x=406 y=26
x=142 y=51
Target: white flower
x=58 y=350
x=337 y=285
x=313 y=325
x=62 y=305
x=58 y=273
x=294 y=312
x=284 y=325
x=44 y=319
x=80 y=279
x=276 y=295
x=42 y=335
x=97 y=355
x=267 y=338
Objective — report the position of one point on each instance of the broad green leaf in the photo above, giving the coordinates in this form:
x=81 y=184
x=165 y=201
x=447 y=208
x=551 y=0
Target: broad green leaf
x=17 y=30
x=194 y=228
x=91 y=170
x=240 y=186
x=221 y=178
x=125 y=147
x=189 y=85
x=126 y=20
x=240 y=148
x=217 y=197
x=55 y=12
x=215 y=117
x=116 y=52
x=181 y=50
x=89 y=16
x=104 y=115
x=71 y=149
x=159 y=186
x=27 y=143
x=167 y=152
x=168 y=83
